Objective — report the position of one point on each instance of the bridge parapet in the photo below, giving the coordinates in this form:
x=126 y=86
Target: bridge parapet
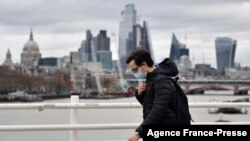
x=239 y=87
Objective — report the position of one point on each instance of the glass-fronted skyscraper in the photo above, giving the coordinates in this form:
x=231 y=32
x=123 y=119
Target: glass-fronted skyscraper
x=174 y=51
x=141 y=39
x=102 y=41
x=225 y=53
x=146 y=42
x=100 y=45
x=105 y=57
x=128 y=20
x=183 y=51
x=177 y=49
x=85 y=49
x=103 y=53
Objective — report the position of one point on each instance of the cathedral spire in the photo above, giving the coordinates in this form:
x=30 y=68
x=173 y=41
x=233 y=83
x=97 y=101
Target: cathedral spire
x=31 y=35
x=8 y=52
x=8 y=60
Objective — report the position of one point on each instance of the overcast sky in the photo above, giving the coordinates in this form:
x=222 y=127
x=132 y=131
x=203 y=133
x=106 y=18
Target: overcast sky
x=59 y=25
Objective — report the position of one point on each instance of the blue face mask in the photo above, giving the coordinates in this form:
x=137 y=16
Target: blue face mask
x=140 y=75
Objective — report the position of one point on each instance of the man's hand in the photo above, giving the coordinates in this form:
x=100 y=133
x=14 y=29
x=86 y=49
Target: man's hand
x=134 y=137
x=141 y=87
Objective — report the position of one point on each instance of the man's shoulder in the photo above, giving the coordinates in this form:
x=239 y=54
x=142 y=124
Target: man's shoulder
x=163 y=81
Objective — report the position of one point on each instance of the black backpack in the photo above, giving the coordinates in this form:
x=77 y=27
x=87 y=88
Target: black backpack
x=182 y=110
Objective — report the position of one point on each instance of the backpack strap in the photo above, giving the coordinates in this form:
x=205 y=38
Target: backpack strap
x=160 y=76
x=176 y=79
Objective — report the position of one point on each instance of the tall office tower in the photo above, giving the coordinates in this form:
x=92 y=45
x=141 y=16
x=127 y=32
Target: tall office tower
x=82 y=53
x=146 y=42
x=88 y=49
x=183 y=51
x=178 y=49
x=102 y=46
x=103 y=42
x=85 y=49
x=105 y=57
x=174 y=52
x=225 y=53
x=128 y=20
x=130 y=43
x=141 y=39
x=30 y=54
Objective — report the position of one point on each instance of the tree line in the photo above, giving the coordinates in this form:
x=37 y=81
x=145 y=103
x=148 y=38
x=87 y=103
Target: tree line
x=44 y=83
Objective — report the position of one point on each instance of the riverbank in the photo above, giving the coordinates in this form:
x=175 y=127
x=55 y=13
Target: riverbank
x=6 y=97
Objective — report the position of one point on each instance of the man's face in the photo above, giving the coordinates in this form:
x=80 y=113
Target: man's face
x=134 y=68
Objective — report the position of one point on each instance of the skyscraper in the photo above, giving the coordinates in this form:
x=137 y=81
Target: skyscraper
x=178 y=49
x=101 y=46
x=130 y=43
x=85 y=49
x=141 y=39
x=103 y=53
x=88 y=49
x=103 y=42
x=128 y=20
x=146 y=42
x=174 y=52
x=82 y=53
x=183 y=51
x=225 y=53
x=105 y=57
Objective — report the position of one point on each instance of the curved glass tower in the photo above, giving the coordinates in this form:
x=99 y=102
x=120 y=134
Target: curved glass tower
x=225 y=53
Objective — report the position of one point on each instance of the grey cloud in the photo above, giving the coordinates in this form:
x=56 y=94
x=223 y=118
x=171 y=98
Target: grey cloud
x=161 y=14
x=203 y=20
x=230 y=17
x=42 y=12
x=50 y=12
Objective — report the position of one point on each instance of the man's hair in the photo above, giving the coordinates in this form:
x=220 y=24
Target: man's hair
x=140 y=56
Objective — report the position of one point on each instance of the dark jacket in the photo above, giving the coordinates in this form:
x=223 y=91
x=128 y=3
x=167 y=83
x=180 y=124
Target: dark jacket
x=159 y=99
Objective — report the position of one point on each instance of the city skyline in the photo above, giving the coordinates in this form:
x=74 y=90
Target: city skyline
x=59 y=32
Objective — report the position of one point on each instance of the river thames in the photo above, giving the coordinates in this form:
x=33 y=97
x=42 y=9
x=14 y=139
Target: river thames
x=101 y=116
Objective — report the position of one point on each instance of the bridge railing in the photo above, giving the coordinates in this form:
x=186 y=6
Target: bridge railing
x=43 y=106
x=74 y=106
x=206 y=81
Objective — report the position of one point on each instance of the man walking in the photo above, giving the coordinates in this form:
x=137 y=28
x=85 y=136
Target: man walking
x=158 y=98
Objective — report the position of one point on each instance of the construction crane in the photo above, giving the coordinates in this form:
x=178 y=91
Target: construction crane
x=96 y=73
